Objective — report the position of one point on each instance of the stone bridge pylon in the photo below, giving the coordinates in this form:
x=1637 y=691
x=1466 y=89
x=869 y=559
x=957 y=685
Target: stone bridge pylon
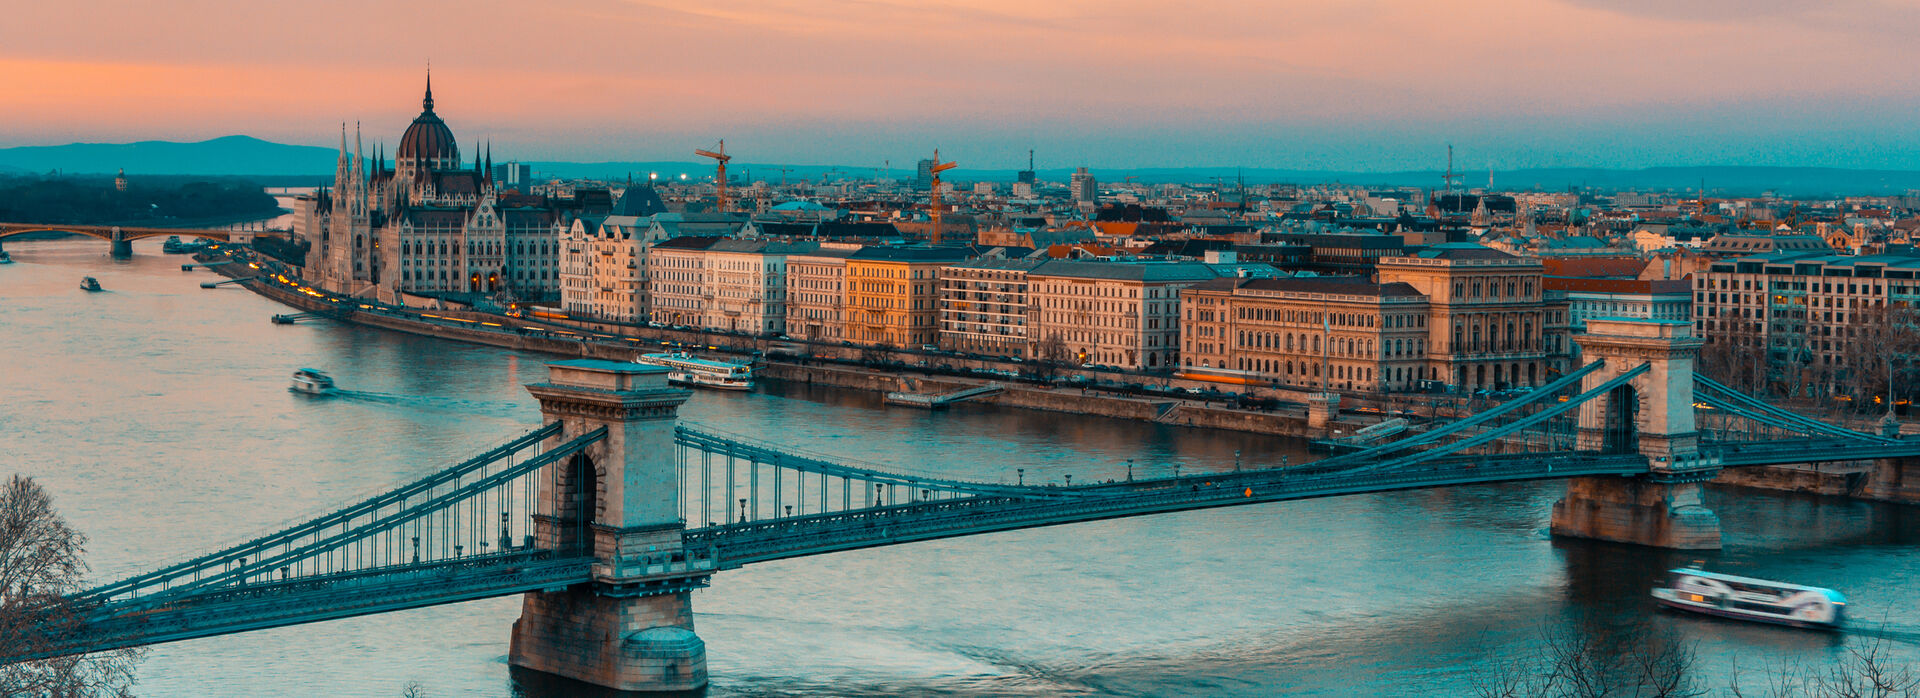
x=631 y=628
x=1652 y=414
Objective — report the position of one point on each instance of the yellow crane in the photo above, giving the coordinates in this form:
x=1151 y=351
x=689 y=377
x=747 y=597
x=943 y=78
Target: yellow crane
x=720 y=156
x=938 y=167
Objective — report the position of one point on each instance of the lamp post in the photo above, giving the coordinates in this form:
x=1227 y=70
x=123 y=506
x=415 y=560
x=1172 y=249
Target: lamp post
x=1129 y=470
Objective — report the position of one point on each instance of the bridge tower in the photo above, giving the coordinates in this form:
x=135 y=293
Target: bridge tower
x=631 y=628
x=1652 y=414
x=122 y=247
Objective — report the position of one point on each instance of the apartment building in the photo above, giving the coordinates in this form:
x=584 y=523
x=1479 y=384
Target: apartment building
x=678 y=276
x=747 y=285
x=1110 y=313
x=817 y=292
x=1336 y=333
x=984 y=307
x=893 y=294
x=1806 y=320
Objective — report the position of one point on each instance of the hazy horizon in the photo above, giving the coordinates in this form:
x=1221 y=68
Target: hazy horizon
x=1367 y=85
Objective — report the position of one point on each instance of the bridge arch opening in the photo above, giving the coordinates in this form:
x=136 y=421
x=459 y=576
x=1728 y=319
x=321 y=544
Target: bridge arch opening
x=1622 y=429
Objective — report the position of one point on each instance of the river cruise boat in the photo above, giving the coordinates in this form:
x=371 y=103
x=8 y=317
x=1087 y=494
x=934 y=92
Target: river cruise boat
x=686 y=369
x=311 y=382
x=173 y=245
x=88 y=283
x=1746 y=598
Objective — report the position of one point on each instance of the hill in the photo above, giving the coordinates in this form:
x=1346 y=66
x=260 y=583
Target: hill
x=229 y=155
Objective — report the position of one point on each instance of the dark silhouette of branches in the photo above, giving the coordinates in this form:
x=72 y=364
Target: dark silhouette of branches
x=41 y=562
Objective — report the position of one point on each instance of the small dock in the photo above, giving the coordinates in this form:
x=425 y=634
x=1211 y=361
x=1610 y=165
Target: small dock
x=216 y=284
x=190 y=266
x=934 y=401
x=291 y=318
x=1362 y=437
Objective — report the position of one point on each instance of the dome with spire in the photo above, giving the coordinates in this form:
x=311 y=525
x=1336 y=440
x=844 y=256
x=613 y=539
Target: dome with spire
x=428 y=144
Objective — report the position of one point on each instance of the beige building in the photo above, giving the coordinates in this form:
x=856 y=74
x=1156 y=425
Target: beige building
x=1487 y=321
x=618 y=255
x=576 y=266
x=1123 y=314
x=817 y=292
x=678 y=278
x=1343 y=333
x=747 y=285
x=984 y=307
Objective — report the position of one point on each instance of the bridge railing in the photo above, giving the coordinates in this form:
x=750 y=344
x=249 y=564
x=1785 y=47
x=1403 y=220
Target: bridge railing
x=1729 y=415
x=479 y=506
x=737 y=544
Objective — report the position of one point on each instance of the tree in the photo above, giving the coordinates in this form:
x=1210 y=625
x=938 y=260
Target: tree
x=1591 y=658
x=1880 y=339
x=40 y=563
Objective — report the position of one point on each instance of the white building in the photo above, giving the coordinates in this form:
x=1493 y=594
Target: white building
x=746 y=284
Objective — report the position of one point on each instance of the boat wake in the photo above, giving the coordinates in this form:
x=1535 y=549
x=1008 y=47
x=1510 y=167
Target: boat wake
x=1901 y=635
x=439 y=404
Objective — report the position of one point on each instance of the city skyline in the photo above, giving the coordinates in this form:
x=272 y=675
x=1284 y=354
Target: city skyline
x=1365 y=86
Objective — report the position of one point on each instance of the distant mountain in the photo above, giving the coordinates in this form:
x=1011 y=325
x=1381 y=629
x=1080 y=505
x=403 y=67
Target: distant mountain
x=230 y=155
x=248 y=156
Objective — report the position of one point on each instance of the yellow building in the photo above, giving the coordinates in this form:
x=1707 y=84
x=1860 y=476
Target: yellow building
x=893 y=294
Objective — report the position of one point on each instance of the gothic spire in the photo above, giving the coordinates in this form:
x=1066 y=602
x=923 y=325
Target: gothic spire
x=427 y=103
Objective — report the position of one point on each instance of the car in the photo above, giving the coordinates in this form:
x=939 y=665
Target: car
x=929 y=347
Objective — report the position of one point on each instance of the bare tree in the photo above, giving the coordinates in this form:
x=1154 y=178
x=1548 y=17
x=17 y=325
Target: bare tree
x=1878 y=353
x=1591 y=659
x=40 y=563
x=413 y=689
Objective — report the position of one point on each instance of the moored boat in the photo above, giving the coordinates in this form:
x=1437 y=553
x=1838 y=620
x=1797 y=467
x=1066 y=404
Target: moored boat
x=88 y=283
x=174 y=245
x=311 y=382
x=686 y=369
x=1746 y=598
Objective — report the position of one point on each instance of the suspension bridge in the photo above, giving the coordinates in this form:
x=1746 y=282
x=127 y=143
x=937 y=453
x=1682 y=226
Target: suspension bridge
x=608 y=515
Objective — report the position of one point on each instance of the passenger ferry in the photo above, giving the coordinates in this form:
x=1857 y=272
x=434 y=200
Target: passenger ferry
x=88 y=283
x=311 y=382
x=1746 y=598
x=687 y=369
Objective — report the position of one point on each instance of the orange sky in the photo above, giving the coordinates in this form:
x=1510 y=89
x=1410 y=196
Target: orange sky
x=1342 y=83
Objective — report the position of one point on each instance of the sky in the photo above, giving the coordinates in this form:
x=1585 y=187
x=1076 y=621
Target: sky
x=1355 y=85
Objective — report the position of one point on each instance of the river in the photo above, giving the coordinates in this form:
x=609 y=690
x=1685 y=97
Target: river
x=157 y=414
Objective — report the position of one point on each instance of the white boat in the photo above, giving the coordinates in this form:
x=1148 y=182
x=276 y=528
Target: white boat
x=686 y=369
x=311 y=382
x=1746 y=598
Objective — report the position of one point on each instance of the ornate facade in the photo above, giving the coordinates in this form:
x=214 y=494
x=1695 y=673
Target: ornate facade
x=428 y=224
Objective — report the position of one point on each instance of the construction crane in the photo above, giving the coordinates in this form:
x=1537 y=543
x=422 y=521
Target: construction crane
x=720 y=157
x=938 y=167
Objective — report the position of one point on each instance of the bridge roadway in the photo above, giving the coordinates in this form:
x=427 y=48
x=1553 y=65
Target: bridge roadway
x=737 y=544
x=261 y=606
x=229 y=609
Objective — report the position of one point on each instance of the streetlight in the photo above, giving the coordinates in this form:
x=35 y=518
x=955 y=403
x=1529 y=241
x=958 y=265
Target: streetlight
x=1129 y=470
x=1023 y=476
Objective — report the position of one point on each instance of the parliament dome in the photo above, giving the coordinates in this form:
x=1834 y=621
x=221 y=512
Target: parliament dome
x=428 y=143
